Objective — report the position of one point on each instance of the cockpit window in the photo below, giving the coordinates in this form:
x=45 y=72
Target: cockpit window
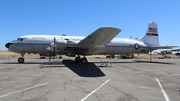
x=20 y=39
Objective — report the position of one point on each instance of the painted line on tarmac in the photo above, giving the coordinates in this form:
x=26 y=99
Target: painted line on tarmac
x=147 y=88
x=24 y=89
x=95 y=90
x=162 y=90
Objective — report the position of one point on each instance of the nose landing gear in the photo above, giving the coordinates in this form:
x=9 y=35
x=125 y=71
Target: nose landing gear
x=21 y=60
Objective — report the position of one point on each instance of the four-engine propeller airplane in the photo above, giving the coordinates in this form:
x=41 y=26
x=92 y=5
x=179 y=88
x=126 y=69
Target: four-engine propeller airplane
x=101 y=41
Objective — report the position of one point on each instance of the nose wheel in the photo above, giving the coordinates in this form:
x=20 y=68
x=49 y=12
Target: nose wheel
x=21 y=60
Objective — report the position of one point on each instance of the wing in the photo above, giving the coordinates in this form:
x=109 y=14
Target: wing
x=151 y=48
x=96 y=41
x=175 y=50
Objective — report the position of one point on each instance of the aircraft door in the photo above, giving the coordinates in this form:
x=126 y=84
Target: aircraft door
x=110 y=48
x=40 y=46
x=36 y=46
x=28 y=48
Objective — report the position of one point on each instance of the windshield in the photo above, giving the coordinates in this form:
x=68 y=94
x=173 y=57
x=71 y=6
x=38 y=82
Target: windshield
x=20 y=39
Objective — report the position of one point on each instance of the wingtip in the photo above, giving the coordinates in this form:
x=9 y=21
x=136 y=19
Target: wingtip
x=108 y=27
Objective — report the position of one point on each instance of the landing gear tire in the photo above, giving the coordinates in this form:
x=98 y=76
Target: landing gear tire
x=110 y=56
x=21 y=60
x=77 y=59
x=84 y=61
x=107 y=56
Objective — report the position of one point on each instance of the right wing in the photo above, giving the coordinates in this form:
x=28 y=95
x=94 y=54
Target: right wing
x=175 y=50
x=151 y=48
x=94 y=42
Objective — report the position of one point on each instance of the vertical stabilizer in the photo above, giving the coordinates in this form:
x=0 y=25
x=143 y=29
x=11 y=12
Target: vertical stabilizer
x=151 y=37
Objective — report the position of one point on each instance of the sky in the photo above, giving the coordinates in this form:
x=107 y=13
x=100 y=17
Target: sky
x=82 y=17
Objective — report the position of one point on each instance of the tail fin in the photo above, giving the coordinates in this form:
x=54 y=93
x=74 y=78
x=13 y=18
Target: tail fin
x=151 y=37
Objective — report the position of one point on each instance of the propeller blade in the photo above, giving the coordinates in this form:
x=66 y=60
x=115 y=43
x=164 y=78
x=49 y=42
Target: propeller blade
x=54 y=48
x=49 y=55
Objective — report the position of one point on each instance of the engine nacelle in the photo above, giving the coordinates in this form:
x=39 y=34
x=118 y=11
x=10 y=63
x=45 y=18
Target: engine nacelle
x=61 y=44
x=66 y=47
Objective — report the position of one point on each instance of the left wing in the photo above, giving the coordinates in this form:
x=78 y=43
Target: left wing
x=96 y=41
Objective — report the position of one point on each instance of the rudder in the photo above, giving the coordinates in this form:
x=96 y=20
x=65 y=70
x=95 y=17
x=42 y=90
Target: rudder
x=151 y=37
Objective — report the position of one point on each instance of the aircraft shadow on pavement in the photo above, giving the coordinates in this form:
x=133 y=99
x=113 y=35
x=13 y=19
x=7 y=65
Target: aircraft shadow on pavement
x=83 y=70
x=139 y=61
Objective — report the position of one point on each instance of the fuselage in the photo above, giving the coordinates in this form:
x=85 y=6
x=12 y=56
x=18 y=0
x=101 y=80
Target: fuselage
x=39 y=43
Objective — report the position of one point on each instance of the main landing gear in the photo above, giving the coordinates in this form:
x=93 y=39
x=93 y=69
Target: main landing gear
x=81 y=60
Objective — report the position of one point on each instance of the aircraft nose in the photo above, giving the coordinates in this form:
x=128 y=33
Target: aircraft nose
x=8 y=44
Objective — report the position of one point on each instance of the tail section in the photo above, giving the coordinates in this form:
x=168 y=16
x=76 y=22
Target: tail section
x=151 y=37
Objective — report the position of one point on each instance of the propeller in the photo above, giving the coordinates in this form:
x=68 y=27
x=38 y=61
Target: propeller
x=50 y=55
x=52 y=49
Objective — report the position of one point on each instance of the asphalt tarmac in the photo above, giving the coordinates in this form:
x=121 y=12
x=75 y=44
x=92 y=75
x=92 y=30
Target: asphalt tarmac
x=66 y=80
